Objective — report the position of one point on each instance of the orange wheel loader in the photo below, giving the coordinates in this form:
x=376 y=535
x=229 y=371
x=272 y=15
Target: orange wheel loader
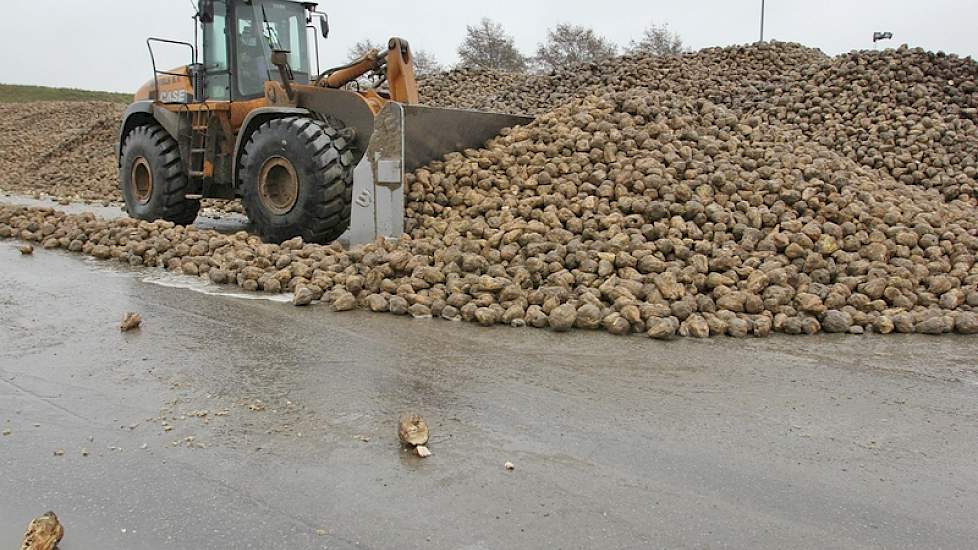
x=250 y=118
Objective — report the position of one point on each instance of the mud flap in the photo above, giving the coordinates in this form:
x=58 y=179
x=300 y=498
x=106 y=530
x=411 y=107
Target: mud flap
x=405 y=138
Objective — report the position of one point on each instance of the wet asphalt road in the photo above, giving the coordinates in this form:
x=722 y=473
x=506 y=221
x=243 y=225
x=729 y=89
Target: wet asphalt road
x=788 y=442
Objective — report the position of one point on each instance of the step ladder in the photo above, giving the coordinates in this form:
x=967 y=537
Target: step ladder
x=199 y=122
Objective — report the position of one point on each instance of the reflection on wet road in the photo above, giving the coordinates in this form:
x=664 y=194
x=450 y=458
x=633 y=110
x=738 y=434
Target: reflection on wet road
x=246 y=423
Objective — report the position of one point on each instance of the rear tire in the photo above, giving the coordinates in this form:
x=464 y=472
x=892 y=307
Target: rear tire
x=297 y=180
x=152 y=178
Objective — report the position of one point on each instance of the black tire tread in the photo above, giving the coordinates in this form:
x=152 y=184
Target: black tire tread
x=327 y=215
x=173 y=206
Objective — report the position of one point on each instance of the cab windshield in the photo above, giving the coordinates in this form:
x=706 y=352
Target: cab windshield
x=263 y=26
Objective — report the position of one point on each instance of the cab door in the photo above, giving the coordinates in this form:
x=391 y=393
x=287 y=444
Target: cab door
x=217 y=84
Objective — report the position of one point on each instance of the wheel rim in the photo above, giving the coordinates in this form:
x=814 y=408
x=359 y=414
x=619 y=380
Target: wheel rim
x=141 y=181
x=278 y=185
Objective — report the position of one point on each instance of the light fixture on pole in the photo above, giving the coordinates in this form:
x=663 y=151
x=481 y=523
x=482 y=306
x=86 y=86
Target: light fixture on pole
x=877 y=36
x=762 y=20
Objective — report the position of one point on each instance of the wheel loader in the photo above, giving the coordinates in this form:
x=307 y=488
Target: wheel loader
x=312 y=154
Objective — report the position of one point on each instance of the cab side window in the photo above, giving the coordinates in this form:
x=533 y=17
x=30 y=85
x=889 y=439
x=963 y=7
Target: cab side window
x=252 y=65
x=218 y=84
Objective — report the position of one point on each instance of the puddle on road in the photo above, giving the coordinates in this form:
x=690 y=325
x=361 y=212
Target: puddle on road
x=111 y=211
x=171 y=280
x=223 y=222
x=226 y=223
x=160 y=277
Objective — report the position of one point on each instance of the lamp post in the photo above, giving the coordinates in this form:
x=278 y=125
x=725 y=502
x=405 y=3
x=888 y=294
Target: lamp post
x=762 y=20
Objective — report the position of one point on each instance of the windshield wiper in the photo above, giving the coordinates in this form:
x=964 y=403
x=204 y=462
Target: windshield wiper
x=272 y=33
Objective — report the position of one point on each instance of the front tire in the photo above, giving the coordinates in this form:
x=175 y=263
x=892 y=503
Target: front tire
x=297 y=180
x=152 y=178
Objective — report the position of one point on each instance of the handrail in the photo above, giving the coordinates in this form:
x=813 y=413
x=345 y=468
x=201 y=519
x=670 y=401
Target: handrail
x=157 y=73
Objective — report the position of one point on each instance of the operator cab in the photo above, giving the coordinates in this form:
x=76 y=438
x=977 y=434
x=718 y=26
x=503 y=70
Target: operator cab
x=238 y=39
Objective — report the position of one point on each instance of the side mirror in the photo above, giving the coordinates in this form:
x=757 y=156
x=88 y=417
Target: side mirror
x=206 y=11
x=324 y=25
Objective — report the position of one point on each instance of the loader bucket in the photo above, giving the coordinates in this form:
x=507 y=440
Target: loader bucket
x=405 y=138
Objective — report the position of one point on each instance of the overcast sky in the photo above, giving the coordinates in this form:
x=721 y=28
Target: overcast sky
x=100 y=44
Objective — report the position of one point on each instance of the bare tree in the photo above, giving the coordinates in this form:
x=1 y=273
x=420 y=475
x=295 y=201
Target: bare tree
x=658 y=40
x=362 y=47
x=571 y=44
x=425 y=63
x=487 y=46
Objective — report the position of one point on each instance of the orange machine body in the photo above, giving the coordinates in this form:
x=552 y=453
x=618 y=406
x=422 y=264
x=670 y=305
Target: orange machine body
x=176 y=92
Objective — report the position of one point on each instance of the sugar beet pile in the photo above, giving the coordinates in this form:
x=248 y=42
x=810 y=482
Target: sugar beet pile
x=61 y=149
x=734 y=191
x=908 y=113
